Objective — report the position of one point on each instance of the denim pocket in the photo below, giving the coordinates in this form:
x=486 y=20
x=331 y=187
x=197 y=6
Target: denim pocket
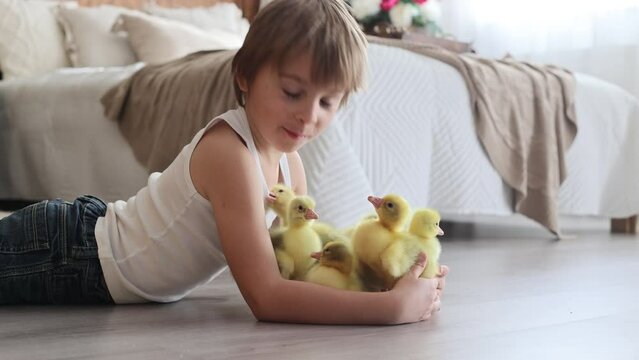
x=26 y=230
x=87 y=210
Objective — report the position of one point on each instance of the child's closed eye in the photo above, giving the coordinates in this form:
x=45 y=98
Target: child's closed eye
x=326 y=104
x=292 y=94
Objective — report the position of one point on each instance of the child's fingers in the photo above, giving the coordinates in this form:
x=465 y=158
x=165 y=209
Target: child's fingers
x=443 y=270
x=437 y=304
x=420 y=264
x=433 y=308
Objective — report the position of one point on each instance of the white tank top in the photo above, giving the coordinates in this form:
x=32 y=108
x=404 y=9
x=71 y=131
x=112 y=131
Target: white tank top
x=163 y=242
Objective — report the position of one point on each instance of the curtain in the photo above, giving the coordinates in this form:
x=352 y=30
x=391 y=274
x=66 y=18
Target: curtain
x=600 y=38
x=520 y=27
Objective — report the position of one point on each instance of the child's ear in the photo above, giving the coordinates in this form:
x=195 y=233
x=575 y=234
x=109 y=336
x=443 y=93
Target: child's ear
x=242 y=83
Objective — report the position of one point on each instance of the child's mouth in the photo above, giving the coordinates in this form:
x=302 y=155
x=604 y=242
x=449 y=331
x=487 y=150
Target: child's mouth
x=294 y=135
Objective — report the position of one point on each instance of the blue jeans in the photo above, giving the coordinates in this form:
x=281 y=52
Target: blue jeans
x=48 y=254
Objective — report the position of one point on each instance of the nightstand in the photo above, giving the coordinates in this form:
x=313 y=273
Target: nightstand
x=419 y=37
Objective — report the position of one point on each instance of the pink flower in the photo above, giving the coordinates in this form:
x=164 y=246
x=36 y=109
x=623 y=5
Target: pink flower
x=386 y=5
x=419 y=1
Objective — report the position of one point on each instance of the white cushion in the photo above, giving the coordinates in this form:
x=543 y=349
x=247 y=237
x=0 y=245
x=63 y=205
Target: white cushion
x=89 y=40
x=224 y=16
x=157 y=40
x=31 y=41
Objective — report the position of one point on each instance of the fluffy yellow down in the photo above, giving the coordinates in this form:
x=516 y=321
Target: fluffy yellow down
x=295 y=243
x=425 y=227
x=336 y=267
x=372 y=237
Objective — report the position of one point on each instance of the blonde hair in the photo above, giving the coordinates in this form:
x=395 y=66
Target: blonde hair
x=285 y=28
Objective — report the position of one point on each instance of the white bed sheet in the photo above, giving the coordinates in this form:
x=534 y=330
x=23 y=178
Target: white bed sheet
x=411 y=132
x=56 y=143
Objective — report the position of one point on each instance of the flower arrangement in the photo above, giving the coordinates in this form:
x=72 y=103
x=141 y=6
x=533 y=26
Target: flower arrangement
x=400 y=13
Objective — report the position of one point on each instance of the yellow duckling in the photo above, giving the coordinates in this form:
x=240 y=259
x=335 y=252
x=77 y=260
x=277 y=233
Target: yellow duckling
x=294 y=243
x=372 y=237
x=335 y=268
x=425 y=227
x=278 y=199
x=351 y=229
x=328 y=233
x=398 y=257
x=402 y=253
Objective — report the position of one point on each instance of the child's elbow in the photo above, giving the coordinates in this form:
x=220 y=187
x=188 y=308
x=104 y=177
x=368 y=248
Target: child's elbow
x=262 y=301
x=261 y=313
x=259 y=307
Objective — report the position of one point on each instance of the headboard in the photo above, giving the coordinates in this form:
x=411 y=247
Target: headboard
x=249 y=7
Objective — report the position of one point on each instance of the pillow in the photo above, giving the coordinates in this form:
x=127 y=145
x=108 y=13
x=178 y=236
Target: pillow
x=157 y=40
x=89 y=40
x=224 y=16
x=31 y=41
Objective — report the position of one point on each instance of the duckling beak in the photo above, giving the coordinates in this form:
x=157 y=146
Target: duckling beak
x=311 y=215
x=271 y=198
x=316 y=255
x=376 y=201
x=440 y=232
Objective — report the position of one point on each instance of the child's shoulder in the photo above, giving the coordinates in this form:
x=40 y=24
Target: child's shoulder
x=220 y=151
x=221 y=133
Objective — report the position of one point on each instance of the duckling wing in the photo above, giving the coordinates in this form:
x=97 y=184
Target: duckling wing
x=369 y=241
x=300 y=244
x=327 y=276
x=433 y=249
x=277 y=237
x=285 y=263
x=399 y=256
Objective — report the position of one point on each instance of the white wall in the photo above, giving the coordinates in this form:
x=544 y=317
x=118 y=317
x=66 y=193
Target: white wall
x=616 y=64
x=595 y=37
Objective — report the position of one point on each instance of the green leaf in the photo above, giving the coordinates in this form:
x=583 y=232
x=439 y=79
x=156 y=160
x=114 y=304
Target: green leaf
x=419 y=21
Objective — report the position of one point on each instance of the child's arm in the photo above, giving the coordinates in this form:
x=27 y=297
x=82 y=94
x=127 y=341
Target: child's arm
x=224 y=172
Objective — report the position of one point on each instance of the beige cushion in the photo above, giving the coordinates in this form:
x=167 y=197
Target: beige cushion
x=89 y=40
x=157 y=40
x=31 y=41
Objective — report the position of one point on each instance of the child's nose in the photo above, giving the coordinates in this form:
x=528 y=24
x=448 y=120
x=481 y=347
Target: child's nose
x=309 y=112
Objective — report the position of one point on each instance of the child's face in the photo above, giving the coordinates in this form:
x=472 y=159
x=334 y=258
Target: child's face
x=286 y=109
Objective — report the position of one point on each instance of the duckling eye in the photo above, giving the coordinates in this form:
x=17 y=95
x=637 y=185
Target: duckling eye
x=280 y=190
x=390 y=205
x=300 y=208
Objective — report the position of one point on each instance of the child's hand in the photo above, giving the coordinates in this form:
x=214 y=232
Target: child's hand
x=443 y=271
x=418 y=297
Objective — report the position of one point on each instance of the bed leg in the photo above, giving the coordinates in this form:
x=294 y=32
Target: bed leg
x=624 y=226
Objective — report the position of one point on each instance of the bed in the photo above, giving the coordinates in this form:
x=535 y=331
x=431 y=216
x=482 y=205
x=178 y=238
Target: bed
x=430 y=121
x=55 y=141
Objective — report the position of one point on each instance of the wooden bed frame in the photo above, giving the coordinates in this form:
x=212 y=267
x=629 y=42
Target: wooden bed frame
x=624 y=226
x=249 y=7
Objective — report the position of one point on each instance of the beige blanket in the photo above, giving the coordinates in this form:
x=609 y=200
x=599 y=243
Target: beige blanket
x=161 y=107
x=525 y=119
x=524 y=115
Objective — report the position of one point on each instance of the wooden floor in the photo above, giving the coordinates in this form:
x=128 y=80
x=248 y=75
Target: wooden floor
x=512 y=293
